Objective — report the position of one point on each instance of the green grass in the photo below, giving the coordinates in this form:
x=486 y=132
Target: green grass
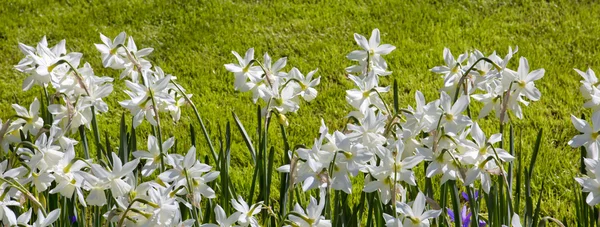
x=193 y=40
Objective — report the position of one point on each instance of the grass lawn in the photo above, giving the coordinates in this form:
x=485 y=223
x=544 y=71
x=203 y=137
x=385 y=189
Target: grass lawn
x=192 y=40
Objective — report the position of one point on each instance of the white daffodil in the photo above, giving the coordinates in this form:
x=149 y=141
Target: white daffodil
x=366 y=94
x=152 y=156
x=243 y=70
x=222 y=219
x=491 y=101
x=304 y=86
x=370 y=131
x=110 y=51
x=481 y=148
x=117 y=177
x=42 y=221
x=453 y=120
x=453 y=70
x=189 y=168
x=69 y=176
x=30 y=120
x=131 y=65
x=591 y=184
x=246 y=217
x=416 y=215
x=7 y=216
x=589 y=135
x=312 y=216
x=524 y=81
x=372 y=50
x=391 y=221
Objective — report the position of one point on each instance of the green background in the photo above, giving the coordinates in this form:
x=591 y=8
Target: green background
x=192 y=40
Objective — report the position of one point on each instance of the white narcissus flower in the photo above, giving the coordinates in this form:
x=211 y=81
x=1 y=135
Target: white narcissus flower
x=243 y=70
x=589 y=89
x=491 y=101
x=453 y=70
x=370 y=130
x=7 y=216
x=116 y=179
x=110 y=51
x=312 y=216
x=524 y=81
x=247 y=213
x=366 y=94
x=41 y=221
x=391 y=221
x=371 y=52
x=30 y=120
x=69 y=176
x=515 y=221
x=416 y=215
x=481 y=148
x=166 y=210
x=304 y=86
x=591 y=183
x=453 y=120
x=140 y=105
x=589 y=135
x=190 y=168
x=131 y=68
x=152 y=156
x=222 y=219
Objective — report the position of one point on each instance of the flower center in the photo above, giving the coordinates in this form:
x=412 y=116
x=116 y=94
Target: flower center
x=449 y=117
x=454 y=69
x=595 y=135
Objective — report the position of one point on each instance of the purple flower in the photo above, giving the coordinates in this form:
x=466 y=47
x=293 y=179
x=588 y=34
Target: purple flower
x=73 y=219
x=465 y=217
x=466 y=196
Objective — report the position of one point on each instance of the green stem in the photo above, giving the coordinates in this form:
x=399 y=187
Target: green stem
x=99 y=150
x=202 y=126
x=464 y=76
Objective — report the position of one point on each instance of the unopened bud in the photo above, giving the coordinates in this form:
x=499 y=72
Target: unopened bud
x=283 y=120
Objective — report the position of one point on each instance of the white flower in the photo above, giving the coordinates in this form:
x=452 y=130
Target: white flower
x=190 y=168
x=246 y=212
x=591 y=184
x=305 y=85
x=524 y=79
x=415 y=215
x=453 y=120
x=589 y=137
x=366 y=95
x=116 y=178
x=152 y=156
x=453 y=70
x=41 y=221
x=222 y=219
x=30 y=120
x=131 y=67
x=312 y=216
x=110 y=51
x=6 y=214
x=371 y=51
x=243 y=70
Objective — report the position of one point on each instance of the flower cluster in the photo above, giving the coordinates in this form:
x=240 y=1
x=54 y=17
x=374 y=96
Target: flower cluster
x=46 y=159
x=588 y=139
x=381 y=144
x=281 y=90
x=78 y=92
x=384 y=144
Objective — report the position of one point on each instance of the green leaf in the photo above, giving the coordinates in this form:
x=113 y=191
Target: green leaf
x=245 y=136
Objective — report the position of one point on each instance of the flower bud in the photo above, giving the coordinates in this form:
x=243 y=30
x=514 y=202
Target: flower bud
x=283 y=120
